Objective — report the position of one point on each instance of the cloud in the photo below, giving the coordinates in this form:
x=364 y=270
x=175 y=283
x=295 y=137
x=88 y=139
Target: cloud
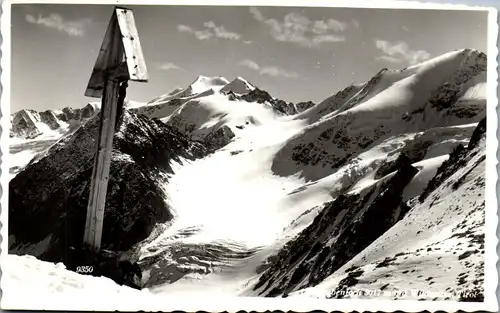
x=169 y=66
x=400 y=51
x=185 y=29
x=298 y=29
x=327 y=38
x=256 y=14
x=221 y=31
x=200 y=34
x=389 y=59
x=211 y=30
x=277 y=71
x=321 y=27
x=57 y=22
x=203 y=34
x=250 y=64
x=274 y=71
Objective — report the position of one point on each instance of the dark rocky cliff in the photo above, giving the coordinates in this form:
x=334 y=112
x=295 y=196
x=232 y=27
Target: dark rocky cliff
x=48 y=200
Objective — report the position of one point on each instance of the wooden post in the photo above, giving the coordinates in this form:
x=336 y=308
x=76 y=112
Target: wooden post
x=121 y=42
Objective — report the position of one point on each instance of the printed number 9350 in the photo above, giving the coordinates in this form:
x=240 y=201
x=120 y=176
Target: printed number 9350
x=84 y=269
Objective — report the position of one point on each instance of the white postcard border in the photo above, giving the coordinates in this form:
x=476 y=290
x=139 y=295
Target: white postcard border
x=188 y=304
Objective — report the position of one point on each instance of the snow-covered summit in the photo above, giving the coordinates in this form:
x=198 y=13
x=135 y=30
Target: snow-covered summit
x=204 y=83
x=408 y=89
x=392 y=103
x=239 y=86
x=200 y=85
x=24 y=123
x=213 y=104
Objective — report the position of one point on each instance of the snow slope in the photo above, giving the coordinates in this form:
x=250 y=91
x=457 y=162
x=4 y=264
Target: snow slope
x=437 y=248
x=201 y=116
x=37 y=282
x=423 y=100
x=241 y=178
x=249 y=218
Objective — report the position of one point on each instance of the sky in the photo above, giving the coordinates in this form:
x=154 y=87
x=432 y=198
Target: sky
x=296 y=54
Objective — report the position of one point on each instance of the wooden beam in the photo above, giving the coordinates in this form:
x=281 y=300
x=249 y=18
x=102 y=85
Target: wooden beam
x=122 y=26
x=99 y=77
x=102 y=164
x=120 y=59
x=109 y=62
x=97 y=80
x=132 y=45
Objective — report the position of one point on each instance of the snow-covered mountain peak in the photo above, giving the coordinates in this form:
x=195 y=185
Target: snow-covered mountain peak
x=95 y=105
x=440 y=80
x=199 y=86
x=24 y=124
x=456 y=57
x=203 y=83
x=239 y=86
x=443 y=92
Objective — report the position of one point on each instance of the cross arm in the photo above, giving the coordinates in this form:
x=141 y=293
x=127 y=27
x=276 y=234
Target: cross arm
x=99 y=77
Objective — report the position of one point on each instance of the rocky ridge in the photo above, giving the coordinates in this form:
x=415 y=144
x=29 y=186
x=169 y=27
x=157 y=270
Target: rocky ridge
x=30 y=124
x=42 y=210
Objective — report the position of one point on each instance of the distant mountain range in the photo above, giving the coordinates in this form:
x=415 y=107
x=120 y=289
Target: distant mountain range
x=29 y=124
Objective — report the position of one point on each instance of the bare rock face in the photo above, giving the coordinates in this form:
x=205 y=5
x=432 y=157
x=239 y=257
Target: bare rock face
x=48 y=200
x=458 y=158
x=30 y=124
x=24 y=125
x=257 y=95
x=478 y=133
x=218 y=139
x=302 y=106
x=390 y=166
x=48 y=117
x=280 y=106
x=88 y=111
x=447 y=94
x=68 y=114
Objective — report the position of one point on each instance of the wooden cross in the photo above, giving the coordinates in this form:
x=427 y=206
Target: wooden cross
x=120 y=59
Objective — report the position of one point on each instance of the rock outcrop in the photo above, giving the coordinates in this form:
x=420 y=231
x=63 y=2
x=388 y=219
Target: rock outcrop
x=30 y=124
x=24 y=124
x=219 y=138
x=48 y=200
x=280 y=106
